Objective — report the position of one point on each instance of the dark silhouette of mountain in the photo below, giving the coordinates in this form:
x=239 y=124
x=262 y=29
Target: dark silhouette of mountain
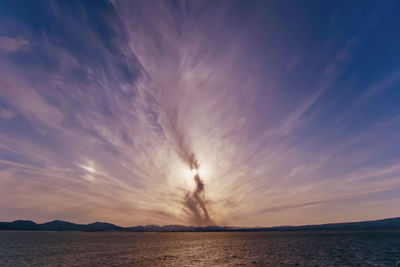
x=60 y=225
x=384 y=224
x=377 y=225
x=102 y=226
x=18 y=225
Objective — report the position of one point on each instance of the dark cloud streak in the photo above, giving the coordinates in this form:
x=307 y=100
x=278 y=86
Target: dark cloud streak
x=195 y=201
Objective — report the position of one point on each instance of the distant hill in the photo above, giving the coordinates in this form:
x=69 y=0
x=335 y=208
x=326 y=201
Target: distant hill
x=377 y=225
x=384 y=224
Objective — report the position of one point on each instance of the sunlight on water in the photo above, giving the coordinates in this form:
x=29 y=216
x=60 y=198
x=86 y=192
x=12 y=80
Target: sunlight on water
x=199 y=249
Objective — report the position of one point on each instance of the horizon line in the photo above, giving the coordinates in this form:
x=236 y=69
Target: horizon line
x=193 y=226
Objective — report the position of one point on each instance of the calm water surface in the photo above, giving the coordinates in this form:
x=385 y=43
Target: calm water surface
x=20 y=248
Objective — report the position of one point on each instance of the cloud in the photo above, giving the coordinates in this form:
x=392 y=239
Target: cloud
x=9 y=44
x=6 y=114
x=104 y=116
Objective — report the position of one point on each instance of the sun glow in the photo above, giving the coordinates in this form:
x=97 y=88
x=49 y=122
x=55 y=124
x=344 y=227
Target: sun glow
x=186 y=174
x=194 y=172
x=190 y=173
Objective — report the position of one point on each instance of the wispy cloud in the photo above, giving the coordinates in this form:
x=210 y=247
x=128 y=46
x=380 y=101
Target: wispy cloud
x=10 y=44
x=104 y=114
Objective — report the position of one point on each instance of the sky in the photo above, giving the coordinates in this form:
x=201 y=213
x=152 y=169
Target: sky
x=241 y=113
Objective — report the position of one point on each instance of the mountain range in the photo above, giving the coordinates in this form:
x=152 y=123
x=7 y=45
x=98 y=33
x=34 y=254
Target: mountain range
x=376 y=225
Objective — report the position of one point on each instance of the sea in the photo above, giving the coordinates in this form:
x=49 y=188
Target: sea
x=41 y=248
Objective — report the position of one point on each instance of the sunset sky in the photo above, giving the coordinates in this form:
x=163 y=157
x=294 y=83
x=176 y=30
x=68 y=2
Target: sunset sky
x=291 y=109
